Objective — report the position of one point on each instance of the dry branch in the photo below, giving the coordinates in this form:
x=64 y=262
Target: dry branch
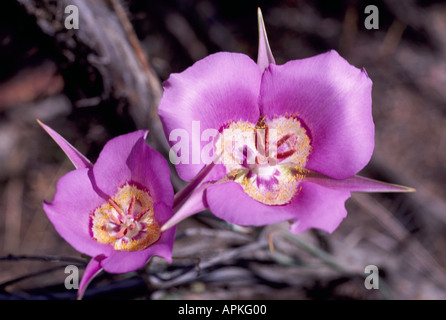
x=113 y=49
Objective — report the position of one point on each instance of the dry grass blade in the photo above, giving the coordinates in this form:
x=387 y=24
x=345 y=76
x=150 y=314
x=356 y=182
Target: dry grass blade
x=423 y=259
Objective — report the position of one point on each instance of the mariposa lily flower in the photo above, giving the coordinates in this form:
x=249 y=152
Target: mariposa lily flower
x=306 y=126
x=113 y=210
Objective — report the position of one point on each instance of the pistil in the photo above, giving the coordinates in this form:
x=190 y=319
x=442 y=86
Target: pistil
x=119 y=224
x=121 y=233
x=273 y=152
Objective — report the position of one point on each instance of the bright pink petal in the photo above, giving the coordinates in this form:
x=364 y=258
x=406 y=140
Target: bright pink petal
x=193 y=204
x=229 y=202
x=111 y=169
x=125 y=261
x=356 y=184
x=264 y=56
x=149 y=169
x=92 y=270
x=313 y=207
x=216 y=90
x=318 y=207
x=128 y=158
x=184 y=193
x=333 y=100
x=77 y=158
x=75 y=200
x=189 y=200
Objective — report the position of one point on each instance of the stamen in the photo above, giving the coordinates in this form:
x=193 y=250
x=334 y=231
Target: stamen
x=115 y=220
x=286 y=154
x=133 y=226
x=279 y=145
x=266 y=141
x=116 y=207
x=259 y=143
x=283 y=139
x=263 y=151
x=142 y=213
x=131 y=205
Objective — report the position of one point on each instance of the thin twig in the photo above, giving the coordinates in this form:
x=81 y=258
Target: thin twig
x=29 y=275
x=11 y=257
x=226 y=235
x=196 y=259
x=391 y=40
x=223 y=257
x=316 y=252
x=13 y=215
x=140 y=54
x=330 y=260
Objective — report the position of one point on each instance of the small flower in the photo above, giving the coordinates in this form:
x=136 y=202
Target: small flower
x=306 y=126
x=113 y=210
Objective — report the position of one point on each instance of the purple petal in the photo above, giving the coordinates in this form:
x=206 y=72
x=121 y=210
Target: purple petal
x=194 y=204
x=111 y=170
x=313 y=207
x=92 y=270
x=318 y=207
x=149 y=168
x=216 y=90
x=77 y=158
x=356 y=184
x=229 y=202
x=333 y=99
x=128 y=158
x=69 y=212
x=125 y=261
x=264 y=56
x=193 y=185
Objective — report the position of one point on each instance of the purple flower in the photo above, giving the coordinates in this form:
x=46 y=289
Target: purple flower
x=306 y=126
x=113 y=210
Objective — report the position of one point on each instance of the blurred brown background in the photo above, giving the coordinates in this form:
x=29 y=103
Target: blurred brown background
x=104 y=80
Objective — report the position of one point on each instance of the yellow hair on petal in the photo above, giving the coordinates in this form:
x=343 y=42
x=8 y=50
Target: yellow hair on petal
x=139 y=233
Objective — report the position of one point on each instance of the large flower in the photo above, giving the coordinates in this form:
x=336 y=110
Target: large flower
x=291 y=138
x=113 y=210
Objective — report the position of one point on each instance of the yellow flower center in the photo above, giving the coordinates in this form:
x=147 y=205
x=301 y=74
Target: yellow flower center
x=126 y=221
x=267 y=158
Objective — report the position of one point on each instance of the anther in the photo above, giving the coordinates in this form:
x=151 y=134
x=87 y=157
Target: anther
x=115 y=220
x=116 y=207
x=126 y=221
x=286 y=154
x=266 y=140
x=139 y=215
x=283 y=139
x=131 y=205
x=259 y=143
